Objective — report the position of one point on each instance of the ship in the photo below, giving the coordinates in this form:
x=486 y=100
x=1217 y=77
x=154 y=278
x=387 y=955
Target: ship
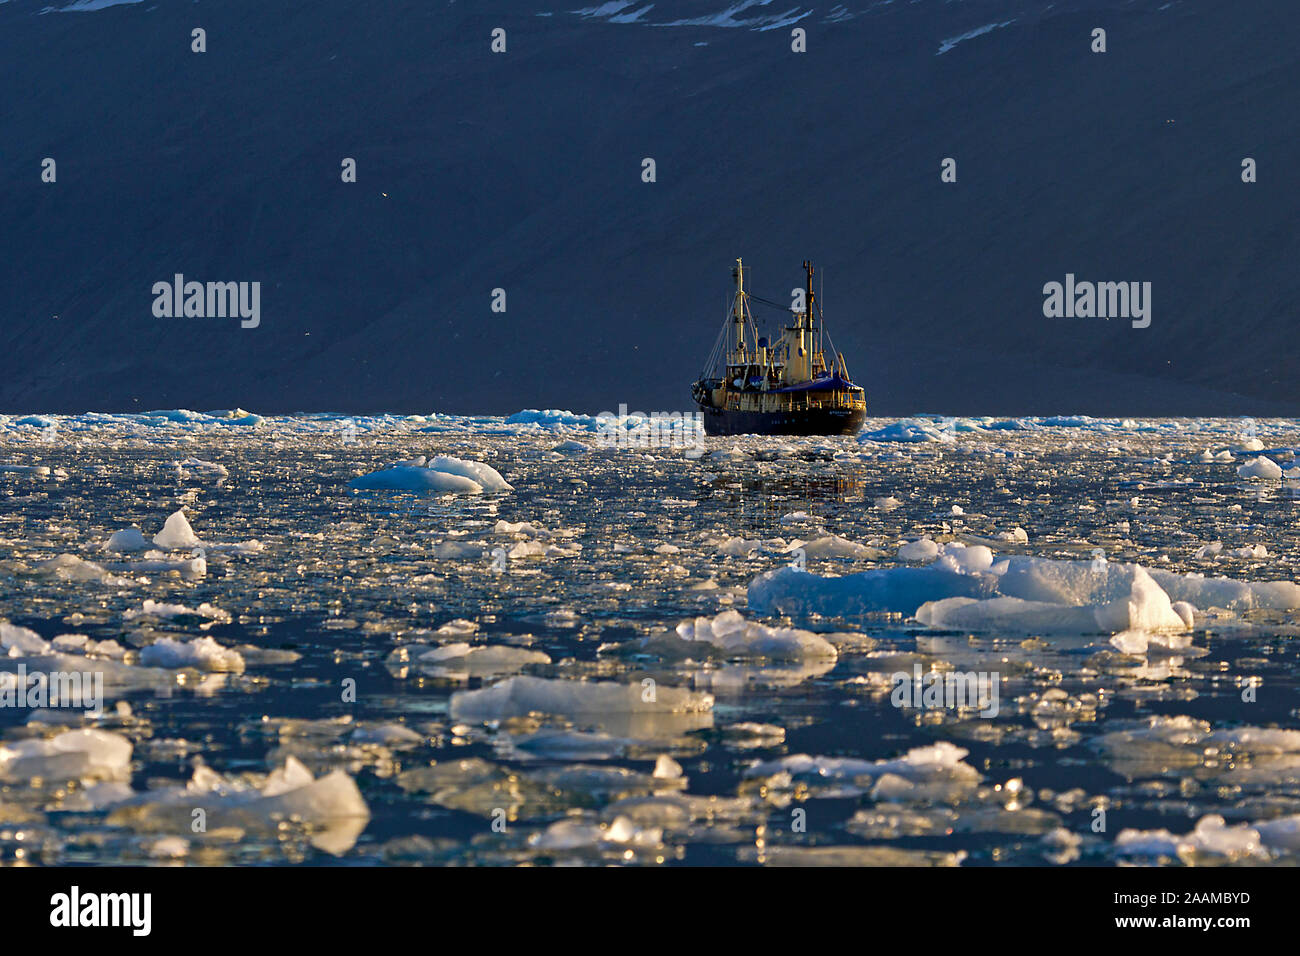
x=750 y=386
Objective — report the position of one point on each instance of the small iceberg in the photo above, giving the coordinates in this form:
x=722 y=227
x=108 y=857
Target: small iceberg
x=331 y=806
x=790 y=591
x=1146 y=607
x=521 y=696
x=909 y=431
x=127 y=540
x=729 y=635
x=176 y=534
x=833 y=546
x=75 y=755
x=442 y=475
x=201 y=653
x=1261 y=467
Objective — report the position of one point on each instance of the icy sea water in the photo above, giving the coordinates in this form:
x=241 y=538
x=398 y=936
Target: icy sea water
x=1102 y=750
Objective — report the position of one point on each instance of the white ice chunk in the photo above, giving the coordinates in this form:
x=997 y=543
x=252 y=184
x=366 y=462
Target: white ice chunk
x=1145 y=607
x=203 y=653
x=789 y=591
x=128 y=539
x=1261 y=467
x=21 y=641
x=833 y=546
x=152 y=608
x=730 y=635
x=520 y=696
x=176 y=534
x=73 y=755
x=442 y=474
x=910 y=431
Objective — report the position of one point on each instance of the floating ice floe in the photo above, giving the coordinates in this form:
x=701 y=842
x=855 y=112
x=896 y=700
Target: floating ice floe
x=330 y=807
x=197 y=466
x=1143 y=606
x=202 y=653
x=1215 y=549
x=833 y=546
x=188 y=568
x=787 y=590
x=643 y=710
x=966 y=588
x=520 y=696
x=79 y=654
x=966 y=558
x=477 y=786
x=734 y=453
x=524 y=529
x=1156 y=736
x=739 y=547
x=1210 y=837
x=1208 y=457
x=553 y=418
x=1261 y=467
x=1265 y=758
x=393 y=736
x=924 y=550
x=457 y=550
x=176 y=534
x=127 y=540
x=157 y=609
x=729 y=635
x=467 y=660
x=576 y=835
x=532 y=540
x=536 y=549
x=909 y=431
x=85 y=755
x=69 y=567
x=442 y=475
x=1084 y=582
x=36 y=471
x=934 y=771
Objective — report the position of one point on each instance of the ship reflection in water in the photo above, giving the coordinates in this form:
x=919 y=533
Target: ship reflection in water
x=759 y=504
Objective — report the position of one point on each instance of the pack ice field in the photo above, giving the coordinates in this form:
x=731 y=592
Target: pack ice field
x=437 y=639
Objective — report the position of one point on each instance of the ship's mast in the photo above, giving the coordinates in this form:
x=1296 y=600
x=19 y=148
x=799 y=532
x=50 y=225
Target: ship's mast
x=808 y=266
x=739 y=354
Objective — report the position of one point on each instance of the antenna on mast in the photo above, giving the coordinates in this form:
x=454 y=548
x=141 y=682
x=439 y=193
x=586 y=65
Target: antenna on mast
x=807 y=264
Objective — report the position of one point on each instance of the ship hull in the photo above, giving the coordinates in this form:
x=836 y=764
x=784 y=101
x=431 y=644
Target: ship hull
x=813 y=421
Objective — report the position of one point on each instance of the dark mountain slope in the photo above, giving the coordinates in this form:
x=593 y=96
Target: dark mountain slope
x=522 y=171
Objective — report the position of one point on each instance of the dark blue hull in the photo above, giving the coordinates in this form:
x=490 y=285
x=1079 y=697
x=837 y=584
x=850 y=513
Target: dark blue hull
x=813 y=421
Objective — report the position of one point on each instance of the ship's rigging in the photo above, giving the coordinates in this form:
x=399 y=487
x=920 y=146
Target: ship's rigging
x=752 y=384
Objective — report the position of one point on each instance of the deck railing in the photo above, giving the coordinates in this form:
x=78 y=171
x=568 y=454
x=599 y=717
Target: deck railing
x=777 y=402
